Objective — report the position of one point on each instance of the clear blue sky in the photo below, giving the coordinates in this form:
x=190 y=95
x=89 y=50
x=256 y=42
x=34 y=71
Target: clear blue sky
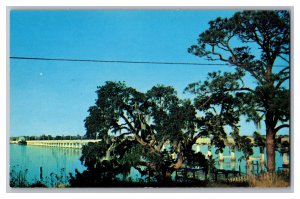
x=52 y=97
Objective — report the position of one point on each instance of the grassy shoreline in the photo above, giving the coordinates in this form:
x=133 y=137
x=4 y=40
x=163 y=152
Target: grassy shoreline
x=278 y=180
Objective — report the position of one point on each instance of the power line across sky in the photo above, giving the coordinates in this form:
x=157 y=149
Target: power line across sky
x=61 y=57
x=124 y=61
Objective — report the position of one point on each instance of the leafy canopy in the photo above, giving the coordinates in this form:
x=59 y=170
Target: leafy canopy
x=152 y=131
x=252 y=42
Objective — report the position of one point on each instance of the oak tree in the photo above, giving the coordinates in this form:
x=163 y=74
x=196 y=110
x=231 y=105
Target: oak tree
x=152 y=132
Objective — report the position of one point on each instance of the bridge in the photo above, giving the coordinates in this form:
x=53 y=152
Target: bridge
x=79 y=143
x=230 y=141
x=75 y=144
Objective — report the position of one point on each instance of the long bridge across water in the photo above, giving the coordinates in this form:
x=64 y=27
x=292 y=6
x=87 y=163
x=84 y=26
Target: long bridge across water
x=77 y=144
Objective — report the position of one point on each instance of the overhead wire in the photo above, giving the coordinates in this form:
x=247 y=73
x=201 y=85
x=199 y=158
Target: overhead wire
x=123 y=61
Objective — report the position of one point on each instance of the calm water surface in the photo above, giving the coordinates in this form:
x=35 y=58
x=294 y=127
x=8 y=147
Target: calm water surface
x=228 y=165
x=62 y=161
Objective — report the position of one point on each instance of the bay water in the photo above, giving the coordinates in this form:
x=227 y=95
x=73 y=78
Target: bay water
x=57 y=163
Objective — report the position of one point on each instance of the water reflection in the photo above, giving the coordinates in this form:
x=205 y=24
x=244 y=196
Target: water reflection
x=59 y=162
x=54 y=161
x=238 y=163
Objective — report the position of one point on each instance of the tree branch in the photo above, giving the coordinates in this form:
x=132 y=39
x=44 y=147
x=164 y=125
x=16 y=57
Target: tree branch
x=239 y=89
x=139 y=139
x=258 y=40
x=128 y=123
x=209 y=98
x=241 y=65
x=260 y=110
x=218 y=54
x=252 y=72
x=123 y=134
x=160 y=144
x=281 y=82
x=282 y=70
x=179 y=162
x=222 y=47
x=245 y=89
x=281 y=126
x=288 y=61
x=282 y=119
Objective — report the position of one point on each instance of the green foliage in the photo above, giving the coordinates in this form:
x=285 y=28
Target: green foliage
x=197 y=160
x=218 y=106
x=152 y=132
x=92 y=154
x=266 y=32
x=252 y=42
x=115 y=101
x=242 y=143
x=282 y=146
x=130 y=153
x=18 y=178
x=259 y=141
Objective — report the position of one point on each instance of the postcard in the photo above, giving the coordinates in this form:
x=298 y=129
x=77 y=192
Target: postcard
x=149 y=98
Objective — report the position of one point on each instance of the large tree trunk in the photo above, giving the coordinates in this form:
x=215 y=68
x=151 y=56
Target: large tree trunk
x=270 y=146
